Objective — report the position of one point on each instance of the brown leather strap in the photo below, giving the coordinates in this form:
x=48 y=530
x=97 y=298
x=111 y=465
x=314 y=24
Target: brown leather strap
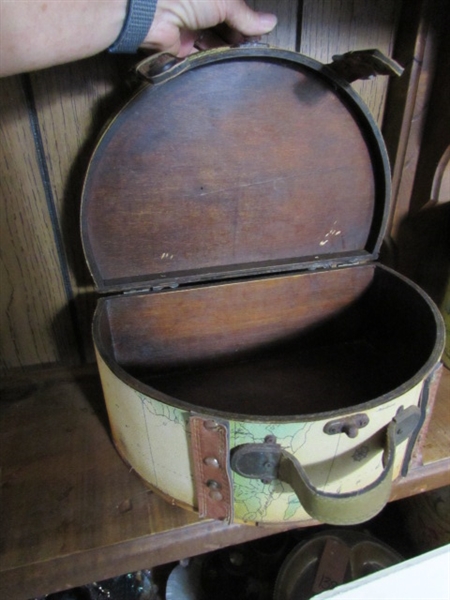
x=344 y=508
x=269 y=461
x=210 y=449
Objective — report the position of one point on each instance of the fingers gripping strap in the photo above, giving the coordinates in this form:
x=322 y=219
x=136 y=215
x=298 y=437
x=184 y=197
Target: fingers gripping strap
x=137 y=23
x=341 y=509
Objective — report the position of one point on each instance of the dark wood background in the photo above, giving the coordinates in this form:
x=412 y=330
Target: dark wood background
x=49 y=122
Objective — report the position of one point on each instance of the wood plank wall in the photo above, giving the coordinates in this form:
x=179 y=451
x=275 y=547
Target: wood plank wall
x=49 y=121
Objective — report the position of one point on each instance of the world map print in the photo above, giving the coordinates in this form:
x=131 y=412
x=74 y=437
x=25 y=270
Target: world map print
x=160 y=409
x=256 y=501
x=154 y=437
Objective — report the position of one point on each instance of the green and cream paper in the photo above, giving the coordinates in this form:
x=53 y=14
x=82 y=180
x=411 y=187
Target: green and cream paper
x=154 y=438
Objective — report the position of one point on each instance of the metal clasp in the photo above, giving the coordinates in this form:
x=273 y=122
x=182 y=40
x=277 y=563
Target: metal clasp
x=364 y=64
x=160 y=67
x=406 y=420
x=348 y=425
x=257 y=461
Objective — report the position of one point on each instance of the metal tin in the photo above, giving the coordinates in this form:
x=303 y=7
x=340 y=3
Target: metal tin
x=330 y=559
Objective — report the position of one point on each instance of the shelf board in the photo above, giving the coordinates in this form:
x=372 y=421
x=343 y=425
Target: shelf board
x=74 y=513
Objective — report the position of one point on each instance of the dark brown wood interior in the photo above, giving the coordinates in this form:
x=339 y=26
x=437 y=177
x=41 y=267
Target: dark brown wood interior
x=282 y=345
x=235 y=163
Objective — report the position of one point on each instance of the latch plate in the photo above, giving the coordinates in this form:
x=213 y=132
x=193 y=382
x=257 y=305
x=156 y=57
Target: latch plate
x=406 y=420
x=257 y=461
x=348 y=425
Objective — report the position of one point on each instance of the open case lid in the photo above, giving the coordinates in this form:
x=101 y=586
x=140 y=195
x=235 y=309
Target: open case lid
x=235 y=162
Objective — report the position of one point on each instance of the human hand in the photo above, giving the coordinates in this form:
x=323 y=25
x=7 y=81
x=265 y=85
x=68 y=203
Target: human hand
x=178 y=23
x=38 y=34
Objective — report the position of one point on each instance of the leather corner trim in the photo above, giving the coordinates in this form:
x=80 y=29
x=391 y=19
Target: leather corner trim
x=211 y=460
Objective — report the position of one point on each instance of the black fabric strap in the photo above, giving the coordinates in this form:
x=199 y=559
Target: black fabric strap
x=137 y=23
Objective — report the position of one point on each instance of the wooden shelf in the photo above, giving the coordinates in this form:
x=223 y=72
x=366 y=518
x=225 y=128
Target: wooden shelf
x=74 y=513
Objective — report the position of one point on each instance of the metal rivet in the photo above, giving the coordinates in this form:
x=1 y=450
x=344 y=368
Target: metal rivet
x=213 y=484
x=270 y=439
x=211 y=461
x=210 y=425
x=215 y=495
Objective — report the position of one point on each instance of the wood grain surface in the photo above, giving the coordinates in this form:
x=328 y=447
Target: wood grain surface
x=416 y=49
x=338 y=26
x=50 y=121
x=285 y=35
x=34 y=319
x=73 y=103
x=217 y=168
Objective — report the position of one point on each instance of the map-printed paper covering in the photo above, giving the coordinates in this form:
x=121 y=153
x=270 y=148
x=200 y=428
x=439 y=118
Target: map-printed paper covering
x=154 y=438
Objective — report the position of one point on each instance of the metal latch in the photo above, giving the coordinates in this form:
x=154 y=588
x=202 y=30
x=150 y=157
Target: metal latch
x=349 y=425
x=364 y=64
x=257 y=461
x=161 y=66
x=406 y=421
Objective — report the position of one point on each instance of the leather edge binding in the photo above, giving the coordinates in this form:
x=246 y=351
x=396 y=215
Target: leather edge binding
x=211 y=465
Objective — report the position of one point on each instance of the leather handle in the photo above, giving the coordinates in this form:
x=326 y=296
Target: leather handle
x=346 y=508
x=268 y=461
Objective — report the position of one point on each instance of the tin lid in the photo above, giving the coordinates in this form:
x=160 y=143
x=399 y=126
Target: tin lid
x=240 y=161
x=329 y=559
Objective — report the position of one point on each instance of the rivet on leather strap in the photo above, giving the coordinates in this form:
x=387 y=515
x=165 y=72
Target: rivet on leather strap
x=210 y=450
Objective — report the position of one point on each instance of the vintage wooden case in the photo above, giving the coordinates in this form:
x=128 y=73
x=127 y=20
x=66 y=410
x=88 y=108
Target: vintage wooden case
x=257 y=363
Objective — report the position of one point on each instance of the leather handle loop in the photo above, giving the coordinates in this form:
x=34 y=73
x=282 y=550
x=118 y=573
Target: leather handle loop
x=347 y=508
x=268 y=461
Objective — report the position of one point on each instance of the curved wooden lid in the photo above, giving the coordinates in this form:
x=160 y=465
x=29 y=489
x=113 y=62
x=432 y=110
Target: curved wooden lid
x=243 y=163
